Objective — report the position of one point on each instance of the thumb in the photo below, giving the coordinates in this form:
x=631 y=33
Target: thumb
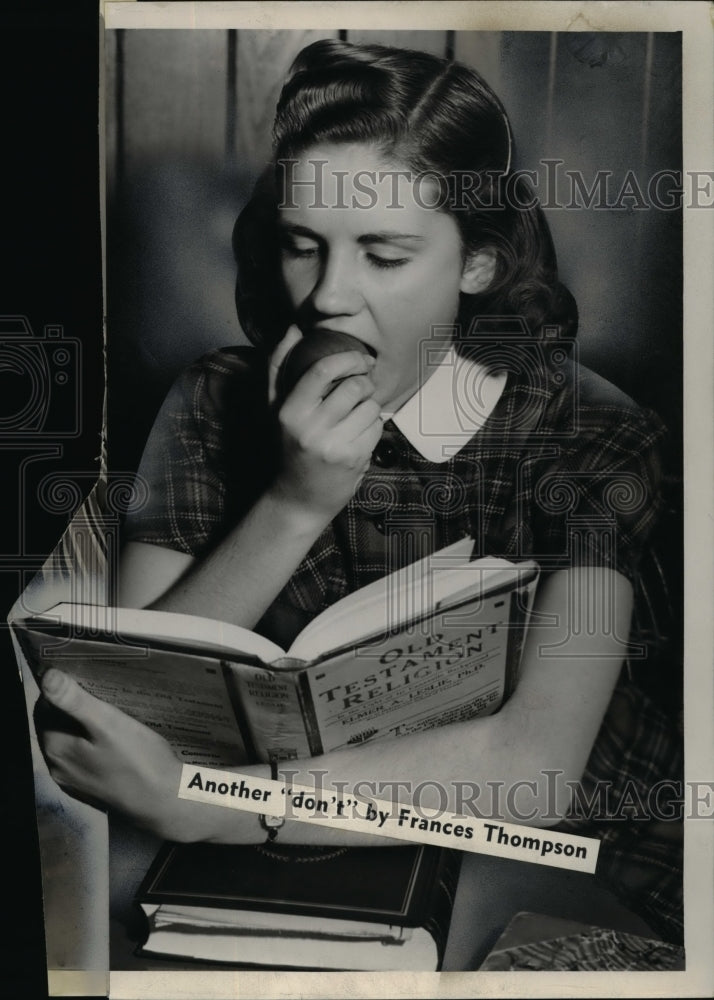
x=278 y=356
x=64 y=693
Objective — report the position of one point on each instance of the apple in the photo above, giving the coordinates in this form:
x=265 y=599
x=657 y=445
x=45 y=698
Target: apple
x=313 y=346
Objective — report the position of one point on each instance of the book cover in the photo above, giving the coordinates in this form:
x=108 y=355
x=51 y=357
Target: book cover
x=223 y=695
x=301 y=907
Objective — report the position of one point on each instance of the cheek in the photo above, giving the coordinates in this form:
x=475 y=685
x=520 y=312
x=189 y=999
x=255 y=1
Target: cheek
x=431 y=292
x=411 y=313
x=296 y=282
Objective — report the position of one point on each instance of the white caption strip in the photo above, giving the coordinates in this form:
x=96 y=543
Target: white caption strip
x=382 y=818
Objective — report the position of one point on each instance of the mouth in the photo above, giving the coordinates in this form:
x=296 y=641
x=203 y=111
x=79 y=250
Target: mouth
x=344 y=336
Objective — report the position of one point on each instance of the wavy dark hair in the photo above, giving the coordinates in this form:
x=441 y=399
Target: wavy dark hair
x=435 y=116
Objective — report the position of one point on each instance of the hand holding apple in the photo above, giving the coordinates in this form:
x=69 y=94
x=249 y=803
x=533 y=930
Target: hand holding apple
x=306 y=351
x=328 y=417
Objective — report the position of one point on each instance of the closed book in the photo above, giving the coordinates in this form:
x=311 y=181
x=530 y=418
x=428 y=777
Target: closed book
x=301 y=907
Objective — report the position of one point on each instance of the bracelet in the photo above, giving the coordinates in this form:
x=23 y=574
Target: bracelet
x=271 y=824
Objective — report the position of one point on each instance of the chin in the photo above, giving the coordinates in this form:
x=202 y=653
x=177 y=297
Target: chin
x=385 y=395
x=394 y=402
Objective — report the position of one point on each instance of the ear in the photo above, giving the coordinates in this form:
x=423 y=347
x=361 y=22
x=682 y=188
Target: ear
x=479 y=271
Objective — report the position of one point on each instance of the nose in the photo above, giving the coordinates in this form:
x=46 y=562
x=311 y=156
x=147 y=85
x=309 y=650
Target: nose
x=336 y=292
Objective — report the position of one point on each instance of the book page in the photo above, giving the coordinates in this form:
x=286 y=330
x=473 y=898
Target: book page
x=403 y=597
x=298 y=949
x=139 y=625
x=181 y=696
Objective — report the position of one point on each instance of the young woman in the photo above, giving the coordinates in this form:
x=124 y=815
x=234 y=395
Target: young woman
x=391 y=213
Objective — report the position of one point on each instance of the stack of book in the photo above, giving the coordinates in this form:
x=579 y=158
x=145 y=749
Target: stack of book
x=437 y=642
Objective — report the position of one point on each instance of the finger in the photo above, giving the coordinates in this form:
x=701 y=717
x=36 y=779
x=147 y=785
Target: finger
x=67 y=759
x=349 y=393
x=317 y=382
x=292 y=336
x=69 y=762
x=352 y=442
x=356 y=411
x=365 y=443
x=48 y=718
x=59 y=749
x=323 y=417
x=64 y=693
x=363 y=427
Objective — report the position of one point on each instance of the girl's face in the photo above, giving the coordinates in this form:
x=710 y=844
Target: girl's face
x=362 y=253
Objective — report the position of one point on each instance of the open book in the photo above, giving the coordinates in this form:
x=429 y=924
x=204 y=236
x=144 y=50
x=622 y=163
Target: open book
x=436 y=642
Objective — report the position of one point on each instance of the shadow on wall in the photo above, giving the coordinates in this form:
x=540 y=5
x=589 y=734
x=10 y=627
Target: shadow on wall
x=171 y=289
x=188 y=131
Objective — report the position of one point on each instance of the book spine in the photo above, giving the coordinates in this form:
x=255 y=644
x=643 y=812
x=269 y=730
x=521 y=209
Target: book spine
x=312 y=729
x=239 y=708
x=29 y=651
x=268 y=708
x=521 y=602
x=441 y=903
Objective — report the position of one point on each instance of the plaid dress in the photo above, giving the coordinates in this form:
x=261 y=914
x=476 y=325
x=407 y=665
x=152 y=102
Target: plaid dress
x=566 y=470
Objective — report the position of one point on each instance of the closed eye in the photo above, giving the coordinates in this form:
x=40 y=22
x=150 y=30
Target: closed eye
x=386 y=262
x=299 y=249
x=303 y=251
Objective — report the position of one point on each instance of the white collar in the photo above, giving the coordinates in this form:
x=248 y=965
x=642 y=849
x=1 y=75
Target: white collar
x=452 y=404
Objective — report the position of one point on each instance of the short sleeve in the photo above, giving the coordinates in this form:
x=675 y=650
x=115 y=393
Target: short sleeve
x=204 y=461
x=597 y=502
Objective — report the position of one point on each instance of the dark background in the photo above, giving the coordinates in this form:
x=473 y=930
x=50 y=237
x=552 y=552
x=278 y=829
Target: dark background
x=51 y=273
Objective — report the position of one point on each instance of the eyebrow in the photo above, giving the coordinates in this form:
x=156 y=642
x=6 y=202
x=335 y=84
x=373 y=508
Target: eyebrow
x=387 y=236
x=383 y=236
